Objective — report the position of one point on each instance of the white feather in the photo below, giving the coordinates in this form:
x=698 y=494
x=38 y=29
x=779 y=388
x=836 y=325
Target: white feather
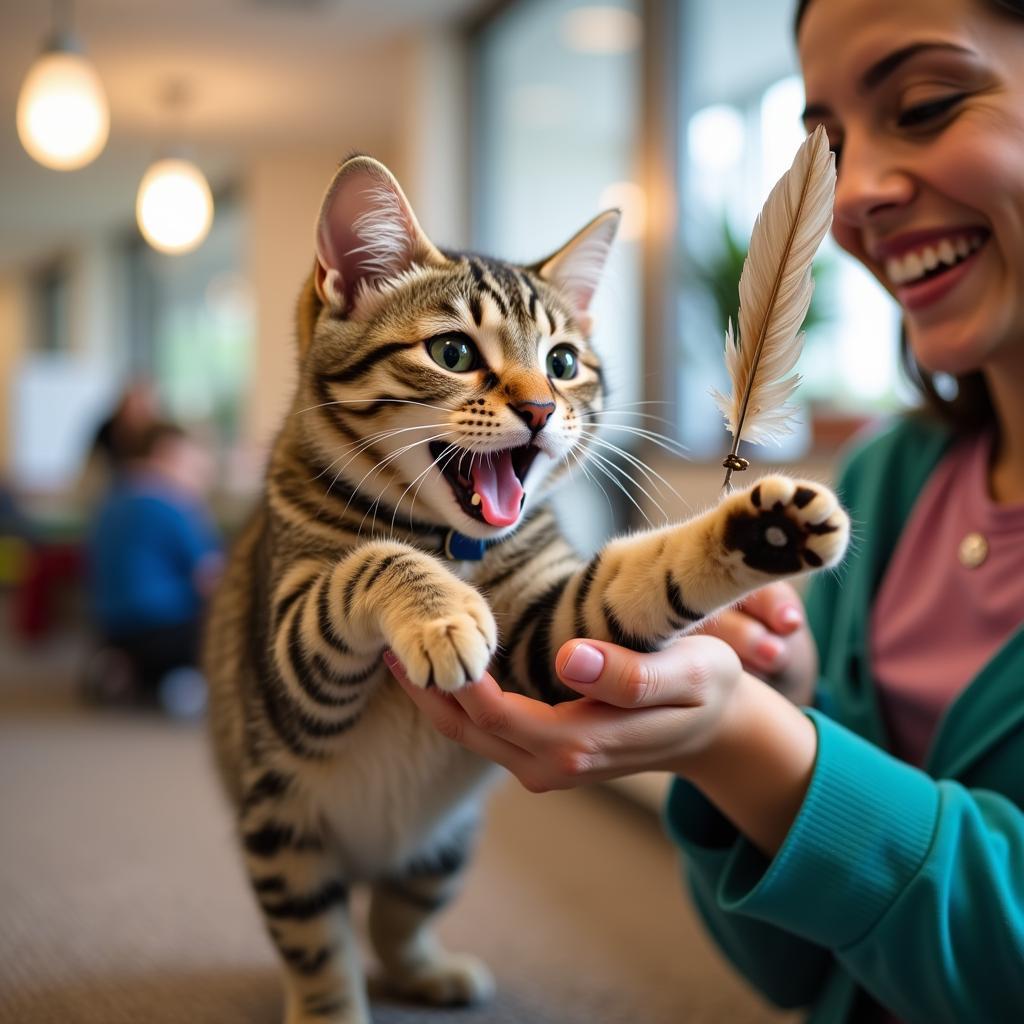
x=775 y=293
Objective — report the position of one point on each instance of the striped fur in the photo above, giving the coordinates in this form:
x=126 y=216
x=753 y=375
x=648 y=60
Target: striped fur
x=335 y=778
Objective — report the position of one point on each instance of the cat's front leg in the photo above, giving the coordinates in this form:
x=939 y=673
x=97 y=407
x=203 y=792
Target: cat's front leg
x=674 y=577
x=438 y=626
x=331 y=622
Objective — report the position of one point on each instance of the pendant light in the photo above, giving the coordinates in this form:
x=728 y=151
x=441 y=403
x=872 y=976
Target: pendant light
x=62 y=116
x=174 y=205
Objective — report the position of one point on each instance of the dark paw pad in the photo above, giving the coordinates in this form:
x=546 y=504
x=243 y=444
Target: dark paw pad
x=771 y=541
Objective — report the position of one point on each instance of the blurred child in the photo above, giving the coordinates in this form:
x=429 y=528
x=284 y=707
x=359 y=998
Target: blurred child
x=154 y=558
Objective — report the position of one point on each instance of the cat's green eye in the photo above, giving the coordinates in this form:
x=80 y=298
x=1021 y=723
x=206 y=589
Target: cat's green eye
x=454 y=352
x=562 y=363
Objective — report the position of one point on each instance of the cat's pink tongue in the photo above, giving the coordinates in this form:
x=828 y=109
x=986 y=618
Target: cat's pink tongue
x=501 y=493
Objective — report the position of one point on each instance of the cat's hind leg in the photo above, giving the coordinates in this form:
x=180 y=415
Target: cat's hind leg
x=402 y=911
x=303 y=894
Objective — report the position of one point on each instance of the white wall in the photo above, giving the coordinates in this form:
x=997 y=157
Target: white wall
x=14 y=331
x=282 y=192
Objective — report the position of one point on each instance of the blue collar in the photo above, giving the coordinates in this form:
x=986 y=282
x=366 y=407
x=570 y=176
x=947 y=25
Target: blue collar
x=460 y=548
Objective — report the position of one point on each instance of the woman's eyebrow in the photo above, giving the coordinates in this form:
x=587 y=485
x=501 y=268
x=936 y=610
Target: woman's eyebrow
x=882 y=69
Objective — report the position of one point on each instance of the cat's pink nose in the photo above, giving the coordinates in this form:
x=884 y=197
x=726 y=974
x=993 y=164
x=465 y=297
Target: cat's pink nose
x=534 y=414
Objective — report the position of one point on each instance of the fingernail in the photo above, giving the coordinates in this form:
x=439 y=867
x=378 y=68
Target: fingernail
x=768 y=651
x=791 y=616
x=584 y=664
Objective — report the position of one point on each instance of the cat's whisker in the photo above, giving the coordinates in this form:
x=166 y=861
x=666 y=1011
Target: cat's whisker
x=382 y=465
x=631 y=409
x=422 y=478
x=596 y=466
x=597 y=483
x=376 y=504
x=651 y=474
x=649 y=471
x=371 y=401
x=661 y=440
x=378 y=467
x=629 y=497
x=370 y=440
x=442 y=468
x=602 y=413
x=607 y=465
x=361 y=447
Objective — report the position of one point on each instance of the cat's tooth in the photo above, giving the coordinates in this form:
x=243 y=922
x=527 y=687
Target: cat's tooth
x=913 y=266
x=476 y=499
x=894 y=270
x=946 y=252
x=961 y=247
x=930 y=258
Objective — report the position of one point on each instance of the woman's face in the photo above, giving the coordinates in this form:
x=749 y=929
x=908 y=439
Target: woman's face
x=923 y=102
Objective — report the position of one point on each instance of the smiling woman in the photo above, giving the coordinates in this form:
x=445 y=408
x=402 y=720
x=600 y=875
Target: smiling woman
x=926 y=131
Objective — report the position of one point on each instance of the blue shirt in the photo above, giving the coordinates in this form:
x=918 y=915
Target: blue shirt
x=147 y=543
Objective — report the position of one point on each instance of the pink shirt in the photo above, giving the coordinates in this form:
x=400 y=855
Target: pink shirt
x=936 y=622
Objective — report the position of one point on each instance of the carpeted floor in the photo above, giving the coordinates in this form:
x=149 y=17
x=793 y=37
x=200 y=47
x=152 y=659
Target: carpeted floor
x=122 y=900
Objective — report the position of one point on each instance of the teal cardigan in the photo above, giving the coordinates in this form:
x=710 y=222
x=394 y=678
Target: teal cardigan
x=906 y=884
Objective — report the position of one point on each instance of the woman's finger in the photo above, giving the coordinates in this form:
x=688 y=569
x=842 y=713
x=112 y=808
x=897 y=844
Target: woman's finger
x=452 y=721
x=777 y=606
x=758 y=647
x=679 y=675
x=514 y=717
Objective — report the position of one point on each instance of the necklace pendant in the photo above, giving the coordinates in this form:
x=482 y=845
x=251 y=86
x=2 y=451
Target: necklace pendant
x=973 y=550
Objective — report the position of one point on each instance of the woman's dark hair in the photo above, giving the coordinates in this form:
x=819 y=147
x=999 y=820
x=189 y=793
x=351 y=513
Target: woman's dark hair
x=971 y=407
x=1012 y=6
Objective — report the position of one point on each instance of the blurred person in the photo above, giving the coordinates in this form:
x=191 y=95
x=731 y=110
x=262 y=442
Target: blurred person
x=116 y=437
x=154 y=558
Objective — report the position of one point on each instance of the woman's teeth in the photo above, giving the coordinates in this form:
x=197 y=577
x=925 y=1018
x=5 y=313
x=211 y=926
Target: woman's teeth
x=914 y=265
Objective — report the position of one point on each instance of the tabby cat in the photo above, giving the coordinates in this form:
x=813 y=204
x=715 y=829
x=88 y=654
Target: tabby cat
x=440 y=397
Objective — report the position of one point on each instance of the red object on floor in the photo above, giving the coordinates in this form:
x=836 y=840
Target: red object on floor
x=51 y=566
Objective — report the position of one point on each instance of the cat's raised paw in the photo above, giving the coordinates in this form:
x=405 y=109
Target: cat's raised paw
x=451 y=649
x=782 y=526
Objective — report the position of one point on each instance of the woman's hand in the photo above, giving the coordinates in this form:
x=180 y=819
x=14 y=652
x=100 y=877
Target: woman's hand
x=639 y=712
x=769 y=632
x=689 y=709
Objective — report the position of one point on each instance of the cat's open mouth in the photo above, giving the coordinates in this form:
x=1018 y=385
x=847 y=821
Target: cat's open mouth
x=487 y=485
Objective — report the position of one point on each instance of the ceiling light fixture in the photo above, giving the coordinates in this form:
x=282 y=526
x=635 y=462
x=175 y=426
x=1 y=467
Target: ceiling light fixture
x=174 y=205
x=602 y=30
x=63 y=118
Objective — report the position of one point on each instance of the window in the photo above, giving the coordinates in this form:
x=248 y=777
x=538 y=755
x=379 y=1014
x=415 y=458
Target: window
x=740 y=138
x=195 y=324
x=556 y=139
x=52 y=292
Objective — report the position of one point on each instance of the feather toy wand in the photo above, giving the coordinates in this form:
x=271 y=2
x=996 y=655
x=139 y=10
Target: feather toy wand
x=775 y=294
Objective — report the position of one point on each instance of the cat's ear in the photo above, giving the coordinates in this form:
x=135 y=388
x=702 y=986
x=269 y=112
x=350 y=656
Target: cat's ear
x=366 y=234
x=577 y=267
